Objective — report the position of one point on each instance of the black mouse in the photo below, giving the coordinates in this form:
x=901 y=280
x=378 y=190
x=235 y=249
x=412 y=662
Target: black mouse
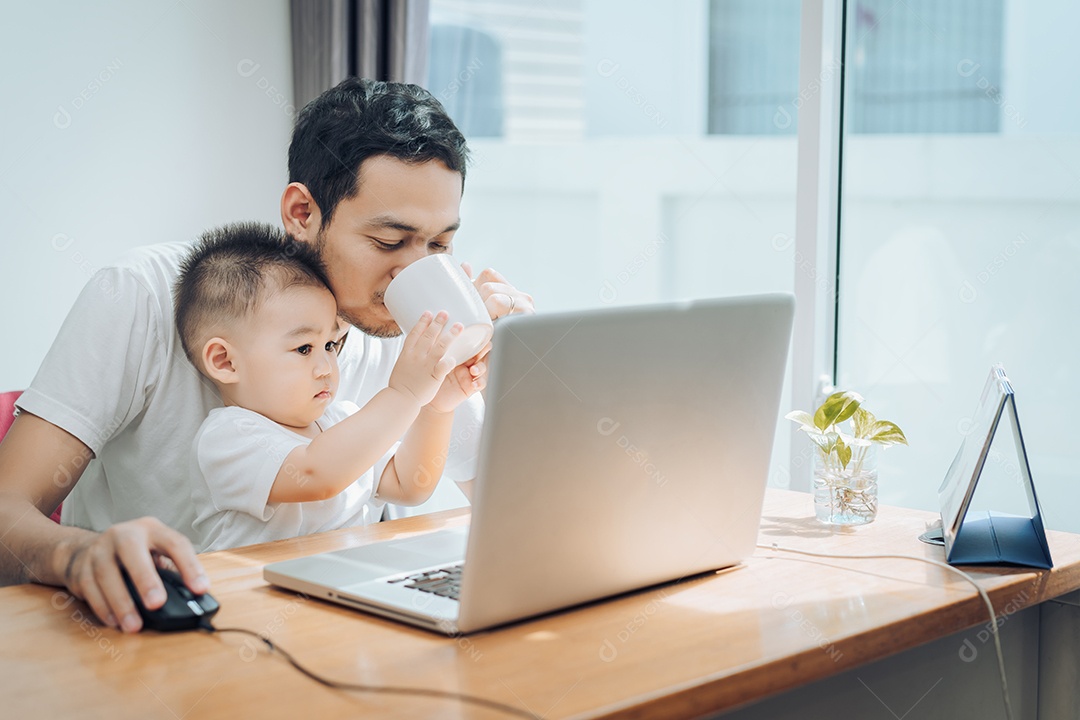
x=183 y=609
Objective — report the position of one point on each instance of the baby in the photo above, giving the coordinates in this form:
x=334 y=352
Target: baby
x=256 y=316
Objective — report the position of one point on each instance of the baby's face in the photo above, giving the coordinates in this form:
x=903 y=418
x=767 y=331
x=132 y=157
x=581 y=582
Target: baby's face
x=286 y=356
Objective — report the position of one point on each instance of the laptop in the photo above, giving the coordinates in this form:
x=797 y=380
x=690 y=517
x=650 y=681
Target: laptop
x=621 y=448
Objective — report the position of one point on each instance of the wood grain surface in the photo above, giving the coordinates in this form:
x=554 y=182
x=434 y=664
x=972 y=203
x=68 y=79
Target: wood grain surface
x=700 y=645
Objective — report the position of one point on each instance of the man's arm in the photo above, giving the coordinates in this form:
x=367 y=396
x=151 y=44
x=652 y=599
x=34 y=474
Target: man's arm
x=39 y=463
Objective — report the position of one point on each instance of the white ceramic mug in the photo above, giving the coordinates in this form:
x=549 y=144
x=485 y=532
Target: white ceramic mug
x=436 y=283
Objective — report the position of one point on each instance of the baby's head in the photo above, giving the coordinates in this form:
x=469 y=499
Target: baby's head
x=256 y=316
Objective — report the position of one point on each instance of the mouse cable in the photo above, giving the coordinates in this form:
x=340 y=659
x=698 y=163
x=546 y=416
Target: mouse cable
x=982 y=593
x=360 y=687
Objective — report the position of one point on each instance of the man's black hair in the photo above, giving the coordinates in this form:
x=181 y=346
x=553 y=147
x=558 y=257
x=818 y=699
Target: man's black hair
x=358 y=119
x=230 y=270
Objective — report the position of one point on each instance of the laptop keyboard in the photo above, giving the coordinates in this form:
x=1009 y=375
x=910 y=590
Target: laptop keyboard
x=445 y=582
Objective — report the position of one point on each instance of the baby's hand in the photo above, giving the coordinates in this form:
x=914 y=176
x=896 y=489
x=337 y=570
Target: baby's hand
x=466 y=380
x=423 y=365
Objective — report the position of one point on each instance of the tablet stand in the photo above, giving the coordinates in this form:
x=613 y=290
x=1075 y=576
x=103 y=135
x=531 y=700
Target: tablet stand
x=981 y=538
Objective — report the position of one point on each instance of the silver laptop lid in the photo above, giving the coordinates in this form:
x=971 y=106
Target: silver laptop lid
x=621 y=448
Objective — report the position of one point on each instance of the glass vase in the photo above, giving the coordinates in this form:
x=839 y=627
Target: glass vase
x=846 y=495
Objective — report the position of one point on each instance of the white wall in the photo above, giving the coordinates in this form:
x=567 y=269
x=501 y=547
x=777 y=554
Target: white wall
x=127 y=122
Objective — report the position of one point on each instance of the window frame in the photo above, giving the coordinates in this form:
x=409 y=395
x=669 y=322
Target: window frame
x=817 y=217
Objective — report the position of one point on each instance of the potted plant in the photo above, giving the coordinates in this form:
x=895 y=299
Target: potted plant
x=845 y=467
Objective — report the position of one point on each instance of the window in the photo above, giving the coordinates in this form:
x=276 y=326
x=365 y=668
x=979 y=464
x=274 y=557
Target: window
x=903 y=67
x=754 y=67
x=958 y=251
x=599 y=177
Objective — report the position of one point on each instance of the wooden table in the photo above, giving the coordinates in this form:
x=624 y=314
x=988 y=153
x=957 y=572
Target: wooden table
x=701 y=646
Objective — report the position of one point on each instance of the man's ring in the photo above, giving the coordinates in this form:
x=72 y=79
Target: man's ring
x=511 y=303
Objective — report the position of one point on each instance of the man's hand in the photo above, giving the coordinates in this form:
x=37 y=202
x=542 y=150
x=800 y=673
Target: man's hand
x=499 y=296
x=140 y=546
x=39 y=462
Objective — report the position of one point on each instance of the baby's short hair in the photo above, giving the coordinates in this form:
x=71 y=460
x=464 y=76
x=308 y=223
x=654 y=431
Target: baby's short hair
x=230 y=270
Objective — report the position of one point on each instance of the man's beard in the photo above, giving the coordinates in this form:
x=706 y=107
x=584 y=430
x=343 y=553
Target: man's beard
x=390 y=330
x=385 y=330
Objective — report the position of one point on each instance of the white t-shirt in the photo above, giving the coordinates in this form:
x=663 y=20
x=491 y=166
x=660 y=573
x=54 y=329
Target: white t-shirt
x=235 y=458
x=116 y=377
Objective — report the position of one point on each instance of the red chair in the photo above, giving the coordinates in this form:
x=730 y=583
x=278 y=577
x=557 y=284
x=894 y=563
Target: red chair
x=7 y=417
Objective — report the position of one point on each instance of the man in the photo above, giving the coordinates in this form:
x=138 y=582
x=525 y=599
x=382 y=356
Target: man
x=376 y=172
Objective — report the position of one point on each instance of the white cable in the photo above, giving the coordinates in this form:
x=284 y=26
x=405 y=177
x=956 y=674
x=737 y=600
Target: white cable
x=982 y=593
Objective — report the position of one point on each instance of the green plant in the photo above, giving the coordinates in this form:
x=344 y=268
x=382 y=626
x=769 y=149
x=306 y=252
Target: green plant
x=838 y=448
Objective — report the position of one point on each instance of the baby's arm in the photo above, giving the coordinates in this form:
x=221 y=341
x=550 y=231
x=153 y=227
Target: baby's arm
x=337 y=457
x=412 y=474
x=344 y=452
x=415 y=469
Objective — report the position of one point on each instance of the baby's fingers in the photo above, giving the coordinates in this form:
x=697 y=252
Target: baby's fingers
x=478 y=369
x=433 y=332
x=417 y=332
x=474 y=377
x=447 y=361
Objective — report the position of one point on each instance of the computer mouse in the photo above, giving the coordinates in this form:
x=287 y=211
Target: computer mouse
x=183 y=609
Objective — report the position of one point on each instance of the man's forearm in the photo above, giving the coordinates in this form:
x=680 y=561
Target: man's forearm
x=33 y=548
x=39 y=463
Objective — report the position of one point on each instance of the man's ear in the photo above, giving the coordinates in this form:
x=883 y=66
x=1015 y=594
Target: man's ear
x=300 y=214
x=218 y=361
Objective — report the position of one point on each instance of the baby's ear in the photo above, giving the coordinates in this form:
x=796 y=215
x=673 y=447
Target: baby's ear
x=217 y=361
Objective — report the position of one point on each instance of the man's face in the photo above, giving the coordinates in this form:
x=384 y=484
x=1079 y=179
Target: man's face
x=403 y=212
x=286 y=356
